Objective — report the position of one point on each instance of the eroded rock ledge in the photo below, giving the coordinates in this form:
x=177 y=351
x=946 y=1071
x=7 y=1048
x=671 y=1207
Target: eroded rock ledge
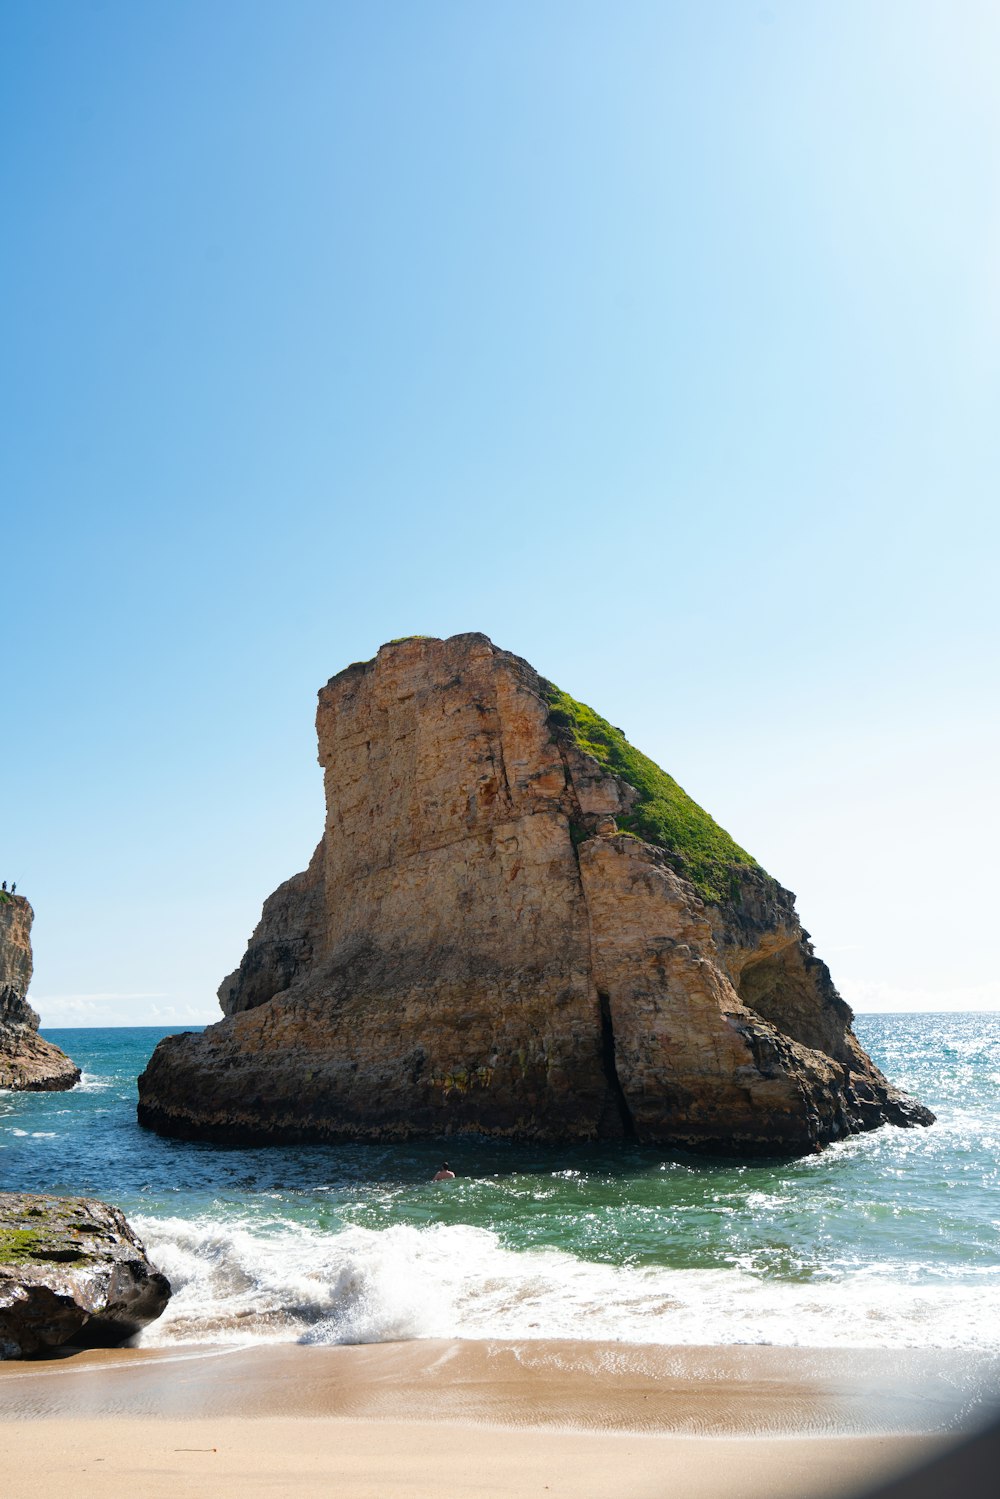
x=515 y=923
x=27 y=1062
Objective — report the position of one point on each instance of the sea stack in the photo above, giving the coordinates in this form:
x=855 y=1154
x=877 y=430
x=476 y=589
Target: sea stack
x=515 y=923
x=27 y=1063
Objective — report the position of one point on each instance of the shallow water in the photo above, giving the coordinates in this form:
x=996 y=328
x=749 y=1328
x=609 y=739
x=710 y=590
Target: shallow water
x=890 y=1239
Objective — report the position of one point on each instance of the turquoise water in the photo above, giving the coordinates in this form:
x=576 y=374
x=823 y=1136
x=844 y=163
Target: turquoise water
x=890 y=1239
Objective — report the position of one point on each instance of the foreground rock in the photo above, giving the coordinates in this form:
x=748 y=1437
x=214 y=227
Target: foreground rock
x=26 y=1061
x=516 y=923
x=71 y=1271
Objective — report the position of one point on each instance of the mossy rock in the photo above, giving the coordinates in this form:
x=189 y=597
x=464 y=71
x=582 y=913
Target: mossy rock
x=663 y=814
x=71 y=1270
x=26 y=1246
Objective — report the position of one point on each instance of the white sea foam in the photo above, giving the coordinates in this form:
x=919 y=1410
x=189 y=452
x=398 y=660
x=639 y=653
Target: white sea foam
x=293 y=1283
x=90 y=1083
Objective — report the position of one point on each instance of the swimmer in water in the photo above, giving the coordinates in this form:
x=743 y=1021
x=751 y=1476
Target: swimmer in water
x=445 y=1174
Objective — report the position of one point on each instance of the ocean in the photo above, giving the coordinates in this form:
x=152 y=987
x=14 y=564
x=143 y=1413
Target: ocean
x=886 y=1240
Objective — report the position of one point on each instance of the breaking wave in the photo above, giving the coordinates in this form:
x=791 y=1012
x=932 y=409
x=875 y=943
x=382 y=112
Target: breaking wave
x=292 y=1283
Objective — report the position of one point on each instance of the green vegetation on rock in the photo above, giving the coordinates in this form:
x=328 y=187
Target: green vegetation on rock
x=20 y=1246
x=663 y=815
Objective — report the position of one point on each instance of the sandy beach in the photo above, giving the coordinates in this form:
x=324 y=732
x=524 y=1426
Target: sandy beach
x=412 y=1460
x=421 y=1419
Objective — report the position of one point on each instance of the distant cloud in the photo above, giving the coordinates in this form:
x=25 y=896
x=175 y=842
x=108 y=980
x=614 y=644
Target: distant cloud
x=102 y=1009
x=63 y=999
x=874 y=995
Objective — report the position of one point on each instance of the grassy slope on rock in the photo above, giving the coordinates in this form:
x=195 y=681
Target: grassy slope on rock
x=664 y=814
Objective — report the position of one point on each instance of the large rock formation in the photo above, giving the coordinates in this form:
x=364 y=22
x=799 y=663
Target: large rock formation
x=26 y=1061
x=516 y=923
x=71 y=1270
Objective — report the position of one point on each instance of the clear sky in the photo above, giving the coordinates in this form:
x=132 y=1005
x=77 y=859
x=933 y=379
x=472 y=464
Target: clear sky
x=659 y=341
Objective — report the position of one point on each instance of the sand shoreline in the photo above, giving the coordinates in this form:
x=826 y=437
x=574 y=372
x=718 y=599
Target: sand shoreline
x=485 y=1419
x=735 y=1391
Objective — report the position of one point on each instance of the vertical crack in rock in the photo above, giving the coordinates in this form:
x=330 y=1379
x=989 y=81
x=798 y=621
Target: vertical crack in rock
x=623 y=1126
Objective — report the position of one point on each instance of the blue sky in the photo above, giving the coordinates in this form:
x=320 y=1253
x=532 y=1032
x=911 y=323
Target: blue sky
x=661 y=342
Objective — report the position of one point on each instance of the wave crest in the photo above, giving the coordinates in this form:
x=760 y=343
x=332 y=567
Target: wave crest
x=289 y=1282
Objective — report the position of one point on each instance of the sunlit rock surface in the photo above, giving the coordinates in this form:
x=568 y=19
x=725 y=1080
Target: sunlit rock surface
x=27 y=1062
x=502 y=931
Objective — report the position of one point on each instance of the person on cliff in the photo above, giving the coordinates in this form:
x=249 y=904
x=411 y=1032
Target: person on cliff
x=445 y=1174
x=13 y=887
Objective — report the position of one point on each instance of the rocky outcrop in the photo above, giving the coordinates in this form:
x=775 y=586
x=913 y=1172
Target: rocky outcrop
x=516 y=923
x=71 y=1271
x=27 y=1062
x=285 y=942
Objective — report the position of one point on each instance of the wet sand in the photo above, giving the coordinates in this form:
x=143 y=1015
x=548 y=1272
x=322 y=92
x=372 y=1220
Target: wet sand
x=425 y=1419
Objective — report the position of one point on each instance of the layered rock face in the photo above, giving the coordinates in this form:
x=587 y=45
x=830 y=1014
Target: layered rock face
x=71 y=1270
x=500 y=932
x=26 y=1061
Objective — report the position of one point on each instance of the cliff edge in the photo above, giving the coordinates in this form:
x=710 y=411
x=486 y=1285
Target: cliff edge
x=27 y=1063
x=516 y=923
